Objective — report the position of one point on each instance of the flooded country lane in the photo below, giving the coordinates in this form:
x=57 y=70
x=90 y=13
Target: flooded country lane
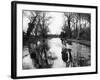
x=79 y=56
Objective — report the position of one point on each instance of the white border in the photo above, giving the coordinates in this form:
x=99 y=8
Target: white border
x=35 y=72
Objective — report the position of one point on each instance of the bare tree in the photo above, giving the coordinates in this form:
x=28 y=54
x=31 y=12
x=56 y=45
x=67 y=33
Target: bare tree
x=43 y=25
x=77 y=25
x=33 y=21
x=67 y=25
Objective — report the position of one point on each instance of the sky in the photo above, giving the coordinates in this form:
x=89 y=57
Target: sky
x=26 y=20
x=57 y=23
x=55 y=26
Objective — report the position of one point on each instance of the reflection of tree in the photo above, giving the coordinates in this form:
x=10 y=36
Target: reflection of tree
x=39 y=54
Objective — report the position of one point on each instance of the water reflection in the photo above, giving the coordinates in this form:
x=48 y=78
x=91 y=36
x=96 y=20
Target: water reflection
x=55 y=53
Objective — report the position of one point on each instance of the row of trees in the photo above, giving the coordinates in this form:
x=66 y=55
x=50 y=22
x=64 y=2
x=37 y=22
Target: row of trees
x=77 y=26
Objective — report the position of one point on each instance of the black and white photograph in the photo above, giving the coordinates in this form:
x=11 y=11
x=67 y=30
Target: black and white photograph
x=54 y=39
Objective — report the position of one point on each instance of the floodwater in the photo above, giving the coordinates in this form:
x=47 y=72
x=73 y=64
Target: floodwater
x=81 y=55
x=56 y=48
